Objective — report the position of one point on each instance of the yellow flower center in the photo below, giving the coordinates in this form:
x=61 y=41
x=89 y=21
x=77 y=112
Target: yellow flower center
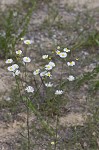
x=58 y=52
x=48 y=66
x=49 y=57
x=36 y=71
x=11 y=68
x=27 y=42
x=26 y=59
x=71 y=62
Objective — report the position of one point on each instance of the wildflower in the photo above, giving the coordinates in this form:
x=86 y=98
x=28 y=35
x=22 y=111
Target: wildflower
x=26 y=59
x=9 y=61
x=53 y=52
x=29 y=89
x=50 y=58
x=71 y=78
x=52 y=143
x=77 y=58
x=22 y=39
x=48 y=84
x=27 y=42
x=58 y=52
x=11 y=68
x=51 y=64
x=72 y=63
x=48 y=67
x=48 y=74
x=66 y=50
x=15 y=14
x=45 y=56
x=36 y=72
x=15 y=66
x=16 y=73
x=63 y=54
x=42 y=74
x=19 y=52
x=58 y=47
x=58 y=92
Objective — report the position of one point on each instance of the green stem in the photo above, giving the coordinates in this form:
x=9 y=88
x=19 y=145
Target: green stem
x=27 y=103
x=28 y=124
x=56 y=132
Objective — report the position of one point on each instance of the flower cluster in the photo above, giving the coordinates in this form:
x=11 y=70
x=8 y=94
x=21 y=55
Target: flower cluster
x=62 y=54
x=46 y=70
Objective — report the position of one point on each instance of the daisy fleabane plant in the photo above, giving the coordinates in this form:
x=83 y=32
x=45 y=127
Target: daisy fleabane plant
x=18 y=52
x=44 y=86
x=58 y=52
x=66 y=50
x=26 y=59
x=63 y=54
x=48 y=67
x=59 y=92
x=49 y=84
x=45 y=56
x=29 y=89
x=16 y=73
x=51 y=64
x=27 y=42
x=11 y=68
x=71 y=78
x=36 y=72
x=72 y=63
x=9 y=61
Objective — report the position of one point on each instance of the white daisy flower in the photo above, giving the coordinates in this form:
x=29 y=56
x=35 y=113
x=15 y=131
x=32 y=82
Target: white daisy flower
x=72 y=63
x=9 y=61
x=51 y=64
x=27 y=42
x=63 y=55
x=42 y=74
x=15 y=66
x=52 y=143
x=16 y=73
x=36 y=72
x=58 y=52
x=22 y=39
x=26 y=59
x=48 y=67
x=19 y=52
x=11 y=68
x=58 y=47
x=71 y=78
x=48 y=74
x=66 y=50
x=45 y=56
x=48 y=84
x=29 y=89
x=58 y=92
